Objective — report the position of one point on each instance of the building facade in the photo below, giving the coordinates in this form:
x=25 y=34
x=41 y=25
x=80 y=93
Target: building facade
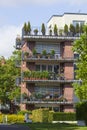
x=67 y=18
x=47 y=70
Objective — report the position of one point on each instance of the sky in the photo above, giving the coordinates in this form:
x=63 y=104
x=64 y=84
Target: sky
x=14 y=13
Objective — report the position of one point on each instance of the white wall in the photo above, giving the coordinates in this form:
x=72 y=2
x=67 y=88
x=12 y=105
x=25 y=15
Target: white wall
x=60 y=21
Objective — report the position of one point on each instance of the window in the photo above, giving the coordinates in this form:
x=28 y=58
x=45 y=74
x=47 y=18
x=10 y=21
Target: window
x=75 y=68
x=37 y=67
x=56 y=69
x=43 y=67
x=50 y=68
x=75 y=22
x=76 y=55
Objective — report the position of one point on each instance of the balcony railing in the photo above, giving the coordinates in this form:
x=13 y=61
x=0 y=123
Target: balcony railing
x=45 y=76
x=48 y=37
x=46 y=102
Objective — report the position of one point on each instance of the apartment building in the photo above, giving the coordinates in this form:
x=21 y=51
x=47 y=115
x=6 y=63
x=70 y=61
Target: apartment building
x=47 y=69
x=67 y=18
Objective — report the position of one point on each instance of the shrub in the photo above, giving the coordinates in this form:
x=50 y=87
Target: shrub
x=23 y=112
x=50 y=117
x=13 y=118
x=62 y=116
x=44 y=115
x=81 y=111
x=40 y=115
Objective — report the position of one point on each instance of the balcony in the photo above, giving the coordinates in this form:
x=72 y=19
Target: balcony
x=46 y=102
x=45 y=77
x=49 y=38
x=18 y=42
x=38 y=98
x=47 y=58
x=51 y=101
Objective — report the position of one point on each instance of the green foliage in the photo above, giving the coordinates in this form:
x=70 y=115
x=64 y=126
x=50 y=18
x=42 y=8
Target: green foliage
x=62 y=116
x=55 y=30
x=80 y=46
x=77 y=29
x=43 y=30
x=27 y=28
x=72 y=29
x=81 y=111
x=40 y=115
x=54 y=126
x=13 y=118
x=35 y=31
x=52 y=52
x=44 y=115
x=66 y=29
x=50 y=117
x=44 y=52
x=8 y=74
x=34 y=51
x=23 y=112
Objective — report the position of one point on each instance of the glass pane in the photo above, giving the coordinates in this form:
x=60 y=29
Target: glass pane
x=37 y=67
x=43 y=67
x=50 y=68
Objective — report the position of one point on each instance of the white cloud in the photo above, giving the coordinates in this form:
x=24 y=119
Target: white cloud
x=7 y=39
x=39 y=2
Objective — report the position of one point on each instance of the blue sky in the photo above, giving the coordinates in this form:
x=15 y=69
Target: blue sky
x=13 y=13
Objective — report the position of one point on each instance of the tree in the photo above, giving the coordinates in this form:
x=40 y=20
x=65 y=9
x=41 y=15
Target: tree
x=43 y=30
x=80 y=46
x=25 y=28
x=66 y=29
x=55 y=30
x=8 y=72
x=72 y=29
x=77 y=29
x=28 y=28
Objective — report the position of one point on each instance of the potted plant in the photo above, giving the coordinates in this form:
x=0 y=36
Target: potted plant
x=55 y=30
x=26 y=54
x=60 y=32
x=43 y=30
x=66 y=29
x=50 y=32
x=27 y=74
x=72 y=30
x=25 y=28
x=34 y=51
x=44 y=53
x=29 y=28
x=36 y=31
x=52 y=53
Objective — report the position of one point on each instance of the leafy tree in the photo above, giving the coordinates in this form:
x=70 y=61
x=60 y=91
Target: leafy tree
x=66 y=29
x=55 y=30
x=43 y=30
x=8 y=73
x=80 y=46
